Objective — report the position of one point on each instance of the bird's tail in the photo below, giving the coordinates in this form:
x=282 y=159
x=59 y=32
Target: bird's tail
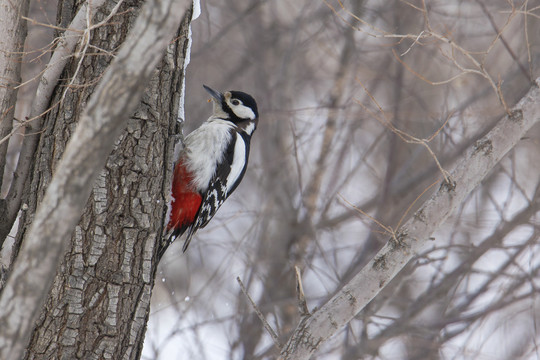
x=166 y=240
x=188 y=238
x=170 y=236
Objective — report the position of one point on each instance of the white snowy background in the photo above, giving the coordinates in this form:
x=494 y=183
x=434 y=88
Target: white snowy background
x=327 y=79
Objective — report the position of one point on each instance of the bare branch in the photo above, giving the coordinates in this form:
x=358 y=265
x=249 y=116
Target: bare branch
x=302 y=303
x=266 y=325
x=416 y=232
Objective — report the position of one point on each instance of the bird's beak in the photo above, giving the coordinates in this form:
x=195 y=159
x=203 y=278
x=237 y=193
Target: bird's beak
x=215 y=94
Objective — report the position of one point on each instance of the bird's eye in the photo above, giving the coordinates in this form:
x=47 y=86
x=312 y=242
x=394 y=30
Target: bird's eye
x=235 y=102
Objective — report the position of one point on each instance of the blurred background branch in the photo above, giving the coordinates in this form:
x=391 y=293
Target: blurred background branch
x=437 y=70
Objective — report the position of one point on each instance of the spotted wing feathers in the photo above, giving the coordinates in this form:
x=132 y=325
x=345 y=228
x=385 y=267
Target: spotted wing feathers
x=213 y=199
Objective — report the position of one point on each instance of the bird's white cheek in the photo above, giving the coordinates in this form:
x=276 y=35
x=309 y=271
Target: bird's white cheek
x=243 y=112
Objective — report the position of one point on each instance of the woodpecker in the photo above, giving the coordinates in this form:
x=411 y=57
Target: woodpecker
x=211 y=164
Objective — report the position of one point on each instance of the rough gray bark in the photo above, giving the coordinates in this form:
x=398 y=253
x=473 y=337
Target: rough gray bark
x=12 y=35
x=99 y=303
x=414 y=234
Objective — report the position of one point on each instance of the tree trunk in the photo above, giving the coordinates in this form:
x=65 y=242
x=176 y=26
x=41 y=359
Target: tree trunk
x=99 y=302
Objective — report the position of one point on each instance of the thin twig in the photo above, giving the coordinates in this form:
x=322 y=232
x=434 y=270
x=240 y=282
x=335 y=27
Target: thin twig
x=302 y=304
x=414 y=202
x=388 y=230
x=406 y=137
x=414 y=43
x=267 y=326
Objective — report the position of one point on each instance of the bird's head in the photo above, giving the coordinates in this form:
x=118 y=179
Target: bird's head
x=234 y=105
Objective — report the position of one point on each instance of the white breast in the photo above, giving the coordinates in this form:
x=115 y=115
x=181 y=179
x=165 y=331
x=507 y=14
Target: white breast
x=205 y=147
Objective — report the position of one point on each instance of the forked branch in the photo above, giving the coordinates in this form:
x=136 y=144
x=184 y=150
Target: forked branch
x=416 y=232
